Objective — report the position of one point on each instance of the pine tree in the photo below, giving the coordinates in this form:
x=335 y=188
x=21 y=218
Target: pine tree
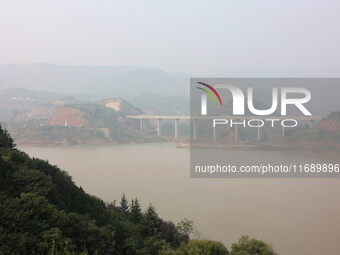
x=6 y=140
x=135 y=211
x=151 y=213
x=152 y=220
x=124 y=207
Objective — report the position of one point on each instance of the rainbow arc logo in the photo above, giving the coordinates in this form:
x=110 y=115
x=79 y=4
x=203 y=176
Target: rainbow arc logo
x=209 y=93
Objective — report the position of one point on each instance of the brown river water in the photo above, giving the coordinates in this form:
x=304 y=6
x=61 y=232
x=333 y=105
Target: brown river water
x=297 y=216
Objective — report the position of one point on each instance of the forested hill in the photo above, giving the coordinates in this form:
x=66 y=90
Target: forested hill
x=42 y=211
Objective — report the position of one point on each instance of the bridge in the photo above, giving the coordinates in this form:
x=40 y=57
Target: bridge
x=176 y=118
x=142 y=118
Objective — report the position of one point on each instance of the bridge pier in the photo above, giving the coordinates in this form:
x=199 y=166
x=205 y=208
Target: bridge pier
x=176 y=129
x=142 y=125
x=194 y=130
x=158 y=127
x=236 y=133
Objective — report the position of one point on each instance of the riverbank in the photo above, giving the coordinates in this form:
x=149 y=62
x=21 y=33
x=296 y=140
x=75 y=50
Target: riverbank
x=264 y=147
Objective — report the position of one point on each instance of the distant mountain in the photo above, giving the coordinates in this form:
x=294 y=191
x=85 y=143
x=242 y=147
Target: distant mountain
x=19 y=98
x=94 y=82
x=27 y=95
x=152 y=90
x=18 y=104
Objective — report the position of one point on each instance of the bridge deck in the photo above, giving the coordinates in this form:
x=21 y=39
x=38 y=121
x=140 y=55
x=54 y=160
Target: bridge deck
x=186 y=117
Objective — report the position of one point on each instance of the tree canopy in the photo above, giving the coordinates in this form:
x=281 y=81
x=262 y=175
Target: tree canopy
x=6 y=140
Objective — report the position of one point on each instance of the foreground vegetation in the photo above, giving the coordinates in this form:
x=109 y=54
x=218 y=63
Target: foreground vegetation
x=42 y=211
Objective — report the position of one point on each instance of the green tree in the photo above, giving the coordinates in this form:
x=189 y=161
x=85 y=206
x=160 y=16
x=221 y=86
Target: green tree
x=153 y=245
x=246 y=246
x=124 y=206
x=198 y=247
x=32 y=181
x=185 y=227
x=205 y=247
x=6 y=140
x=152 y=220
x=135 y=211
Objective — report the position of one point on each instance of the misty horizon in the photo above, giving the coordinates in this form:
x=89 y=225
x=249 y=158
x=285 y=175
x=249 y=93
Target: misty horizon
x=175 y=36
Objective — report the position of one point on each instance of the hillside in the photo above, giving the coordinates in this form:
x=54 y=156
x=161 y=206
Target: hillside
x=120 y=105
x=20 y=105
x=41 y=208
x=331 y=123
x=84 y=123
x=323 y=135
x=37 y=117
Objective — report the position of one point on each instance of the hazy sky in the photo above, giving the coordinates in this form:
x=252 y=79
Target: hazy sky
x=198 y=37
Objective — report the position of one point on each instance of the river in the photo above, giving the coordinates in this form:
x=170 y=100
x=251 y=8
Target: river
x=297 y=216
